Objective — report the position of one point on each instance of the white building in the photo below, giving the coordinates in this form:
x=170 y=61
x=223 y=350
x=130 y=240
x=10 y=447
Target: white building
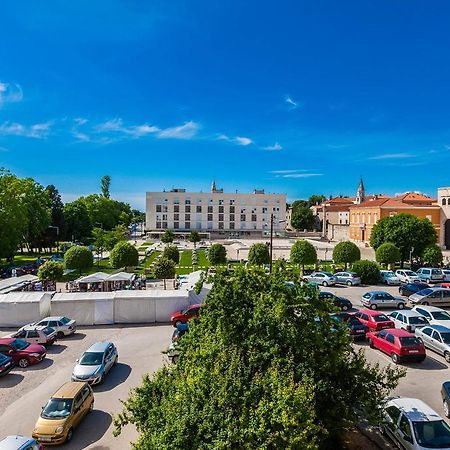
x=216 y=212
x=444 y=203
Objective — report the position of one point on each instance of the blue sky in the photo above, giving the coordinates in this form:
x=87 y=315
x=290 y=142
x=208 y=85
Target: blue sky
x=298 y=97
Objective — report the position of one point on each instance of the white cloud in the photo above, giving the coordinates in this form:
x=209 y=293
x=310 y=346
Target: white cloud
x=186 y=131
x=392 y=156
x=38 y=130
x=274 y=147
x=239 y=140
x=223 y=137
x=301 y=175
x=80 y=121
x=10 y=93
x=290 y=101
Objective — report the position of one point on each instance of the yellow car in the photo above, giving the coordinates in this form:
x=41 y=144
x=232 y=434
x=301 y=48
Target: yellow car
x=63 y=412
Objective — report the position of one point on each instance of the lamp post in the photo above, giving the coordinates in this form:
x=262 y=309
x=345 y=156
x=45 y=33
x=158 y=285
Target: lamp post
x=272 y=217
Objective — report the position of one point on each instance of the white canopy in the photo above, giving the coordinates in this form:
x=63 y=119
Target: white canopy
x=14 y=283
x=121 y=276
x=97 y=277
x=20 y=308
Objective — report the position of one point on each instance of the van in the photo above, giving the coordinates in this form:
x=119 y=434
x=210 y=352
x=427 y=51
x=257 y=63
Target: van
x=63 y=413
x=430 y=274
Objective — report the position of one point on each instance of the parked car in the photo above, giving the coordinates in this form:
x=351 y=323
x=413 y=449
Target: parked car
x=35 y=334
x=6 y=365
x=408 y=320
x=436 y=338
x=356 y=329
x=22 y=353
x=381 y=299
x=348 y=278
x=95 y=363
x=431 y=296
x=398 y=344
x=63 y=412
x=413 y=425
x=323 y=278
x=178 y=317
x=340 y=302
x=389 y=278
x=444 y=285
x=435 y=316
x=374 y=320
x=446 y=273
x=411 y=288
x=61 y=324
x=19 y=443
x=407 y=276
x=445 y=394
x=430 y=275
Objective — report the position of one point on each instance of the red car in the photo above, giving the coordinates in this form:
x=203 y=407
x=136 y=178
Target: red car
x=178 y=317
x=375 y=320
x=22 y=352
x=398 y=344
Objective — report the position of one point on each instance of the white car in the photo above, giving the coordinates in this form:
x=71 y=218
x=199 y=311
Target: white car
x=413 y=425
x=434 y=315
x=61 y=324
x=34 y=334
x=407 y=276
x=408 y=320
x=446 y=273
x=388 y=277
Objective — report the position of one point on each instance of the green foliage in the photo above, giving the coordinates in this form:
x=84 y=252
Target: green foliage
x=406 y=232
x=316 y=199
x=105 y=185
x=117 y=234
x=302 y=218
x=79 y=258
x=260 y=369
x=106 y=211
x=432 y=255
x=303 y=252
x=368 y=271
x=300 y=204
x=124 y=254
x=99 y=238
x=388 y=253
x=346 y=252
x=167 y=237
x=57 y=214
x=77 y=221
x=259 y=254
x=171 y=252
x=199 y=284
x=51 y=271
x=164 y=268
x=217 y=254
x=194 y=237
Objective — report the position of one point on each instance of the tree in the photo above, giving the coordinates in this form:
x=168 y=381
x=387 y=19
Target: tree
x=124 y=254
x=99 y=236
x=368 y=271
x=77 y=220
x=302 y=218
x=105 y=185
x=106 y=211
x=51 y=271
x=171 y=252
x=405 y=231
x=302 y=253
x=432 y=255
x=217 y=254
x=167 y=237
x=56 y=231
x=194 y=237
x=257 y=370
x=79 y=258
x=346 y=252
x=117 y=234
x=299 y=204
x=387 y=253
x=316 y=200
x=259 y=254
x=164 y=269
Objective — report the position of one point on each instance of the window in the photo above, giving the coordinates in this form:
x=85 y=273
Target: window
x=33 y=334
x=164 y=217
x=382 y=334
x=176 y=217
x=436 y=336
x=77 y=402
x=405 y=427
x=221 y=209
x=176 y=208
x=221 y=202
x=210 y=209
x=444 y=201
x=164 y=225
x=231 y=201
x=242 y=210
x=231 y=217
x=264 y=210
x=158 y=224
x=176 y=201
x=231 y=225
x=394 y=413
x=427 y=331
x=187 y=225
x=187 y=209
x=253 y=217
x=199 y=209
x=165 y=208
x=187 y=217
x=187 y=201
x=220 y=225
x=158 y=208
x=232 y=208
x=176 y=225
x=220 y=217
x=394 y=314
x=210 y=217
x=85 y=392
x=242 y=217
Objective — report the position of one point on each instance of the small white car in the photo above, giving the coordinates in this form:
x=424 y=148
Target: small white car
x=408 y=320
x=61 y=324
x=34 y=334
x=407 y=276
x=434 y=315
x=413 y=425
x=388 y=277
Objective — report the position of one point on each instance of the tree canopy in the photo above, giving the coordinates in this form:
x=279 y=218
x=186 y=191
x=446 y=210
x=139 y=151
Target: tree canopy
x=388 y=253
x=259 y=254
x=124 y=254
x=302 y=218
x=346 y=252
x=368 y=271
x=79 y=258
x=303 y=253
x=167 y=237
x=171 y=252
x=164 y=269
x=432 y=255
x=194 y=237
x=77 y=221
x=105 y=185
x=217 y=254
x=261 y=368
x=51 y=271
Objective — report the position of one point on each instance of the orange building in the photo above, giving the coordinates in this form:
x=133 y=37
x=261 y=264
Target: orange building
x=365 y=215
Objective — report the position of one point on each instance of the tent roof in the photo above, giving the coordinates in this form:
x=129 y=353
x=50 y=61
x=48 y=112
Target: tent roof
x=96 y=277
x=121 y=276
x=16 y=282
x=150 y=293
x=82 y=296
x=23 y=297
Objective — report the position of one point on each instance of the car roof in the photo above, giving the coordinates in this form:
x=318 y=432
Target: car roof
x=439 y=328
x=408 y=312
x=34 y=327
x=14 y=442
x=52 y=318
x=371 y=312
x=398 y=332
x=376 y=292
x=99 y=346
x=429 y=308
x=68 y=390
x=416 y=410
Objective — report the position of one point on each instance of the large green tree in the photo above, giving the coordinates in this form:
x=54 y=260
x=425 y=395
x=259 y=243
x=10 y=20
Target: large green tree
x=261 y=368
x=167 y=237
x=57 y=229
x=106 y=211
x=432 y=255
x=164 y=269
x=407 y=232
x=302 y=218
x=259 y=254
x=387 y=253
x=346 y=252
x=124 y=254
x=217 y=254
x=105 y=185
x=51 y=271
x=78 y=225
x=172 y=252
x=194 y=237
x=79 y=258
x=302 y=253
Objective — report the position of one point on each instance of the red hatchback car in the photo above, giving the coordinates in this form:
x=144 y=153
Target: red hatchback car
x=375 y=320
x=398 y=344
x=22 y=352
x=178 y=317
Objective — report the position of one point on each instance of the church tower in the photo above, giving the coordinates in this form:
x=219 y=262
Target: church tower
x=213 y=187
x=360 y=193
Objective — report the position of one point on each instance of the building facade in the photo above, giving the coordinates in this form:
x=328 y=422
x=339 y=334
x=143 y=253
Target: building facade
x=216 y=212
x=444 y=203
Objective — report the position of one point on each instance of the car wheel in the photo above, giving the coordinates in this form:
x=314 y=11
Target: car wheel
x=344 y=308
x=394 y=358
x=446 y=409
x=69 y=435
x=373 y=306
x=401 y=306
x=447 y=356
x=371 y=343
x=425 y=303
x=349 y=283
x=324 y=284
x=23 y=362
x=91 y=407
x=60 y=335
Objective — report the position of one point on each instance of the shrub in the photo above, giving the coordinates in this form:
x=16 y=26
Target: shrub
x=259 y=254
x=164 y=269
x=172 y=252
x=432 y=255
x=346 y=252
x=79 y=258
x=167 y=237
x=51 y=271
x=303 y=252
x=388 y=253
x=124 y=254
x=368 y=271
x=217 y=254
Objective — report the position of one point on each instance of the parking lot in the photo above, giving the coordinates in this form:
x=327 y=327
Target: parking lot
x=24 y=391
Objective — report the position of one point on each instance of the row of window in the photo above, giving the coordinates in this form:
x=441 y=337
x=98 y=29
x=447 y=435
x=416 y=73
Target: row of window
x=210 y=209
x=187 y=201
x=187 y=226
x=210 y=217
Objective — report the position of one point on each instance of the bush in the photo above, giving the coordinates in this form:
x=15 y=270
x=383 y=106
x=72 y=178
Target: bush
x=167 y=237
x=217 y=254
x=171 y=252
x=432 y=255
x=259 y=254
x=51 y=271
x=194 y=237
x=388 y=253
x=164 y=269
x=79 y=258
x=368 y=271
x=124 y=254
x=346 y=252
x=303 y=252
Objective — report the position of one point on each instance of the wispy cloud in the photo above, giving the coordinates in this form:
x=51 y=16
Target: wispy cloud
x=186 y=131
x=237 y=140
x=287 y=171
x=37 y=131
x=301 y=175
x=291 y=102
x=274 y=147
x=391 y=156
x=10 y=93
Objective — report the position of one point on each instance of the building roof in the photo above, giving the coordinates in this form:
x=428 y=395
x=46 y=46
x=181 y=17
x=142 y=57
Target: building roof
x=377 y=202
x=337 y=208
x=405 y=200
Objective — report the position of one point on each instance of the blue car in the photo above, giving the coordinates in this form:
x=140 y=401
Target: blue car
x=6 y=364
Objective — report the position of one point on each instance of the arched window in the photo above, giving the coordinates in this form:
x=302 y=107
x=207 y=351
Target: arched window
x=444 y=201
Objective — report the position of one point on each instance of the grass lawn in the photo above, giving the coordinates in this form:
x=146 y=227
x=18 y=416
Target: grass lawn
x=25 y=258
x=183 y=270
x=202 y=259
x=186 y=258
x=147 y=262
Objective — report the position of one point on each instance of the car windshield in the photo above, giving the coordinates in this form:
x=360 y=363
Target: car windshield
x=389 y=274
x=446 y=337
x=425 y=291
x=65 y=320
x=410 y=273
x=436 y=272
x=57 y=408
x=381 y=318
x=409 y=341
x=91 y=359
x=19 y=344
x=432 y=434
x=418 y=321
x=48 y=330
x=440 y=315
x=328 y=274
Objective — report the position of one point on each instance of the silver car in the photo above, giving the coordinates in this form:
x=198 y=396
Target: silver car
x=431 y=296
x=348 y=278
x=95 y=363
x=389 y=278
x=407 y=276
x=381 y=299
x=322 y=278
x=436 y=338
x=408 y=320
x=62 y=325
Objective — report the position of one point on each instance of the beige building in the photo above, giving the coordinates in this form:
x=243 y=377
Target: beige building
x=444 y=203
x=215 y=212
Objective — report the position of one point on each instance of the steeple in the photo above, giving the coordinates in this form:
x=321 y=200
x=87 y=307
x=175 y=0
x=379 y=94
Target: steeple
x=213 y=187
x=361 y=192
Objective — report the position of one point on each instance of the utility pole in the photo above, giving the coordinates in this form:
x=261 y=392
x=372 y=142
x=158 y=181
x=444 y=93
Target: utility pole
x=271 y=242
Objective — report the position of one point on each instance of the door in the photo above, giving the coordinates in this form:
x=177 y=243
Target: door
x=77 y=410
x=108 y=359
x=392 y=418
x=86 y=398
x=404 y=434
x=435 y=342
x=425 y=335
x=33 y=337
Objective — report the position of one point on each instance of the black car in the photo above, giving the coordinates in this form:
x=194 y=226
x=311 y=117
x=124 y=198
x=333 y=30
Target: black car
x=445 y=393
x=356 y=329
x=340 y=302
x=6 y=364
x=411 y=288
